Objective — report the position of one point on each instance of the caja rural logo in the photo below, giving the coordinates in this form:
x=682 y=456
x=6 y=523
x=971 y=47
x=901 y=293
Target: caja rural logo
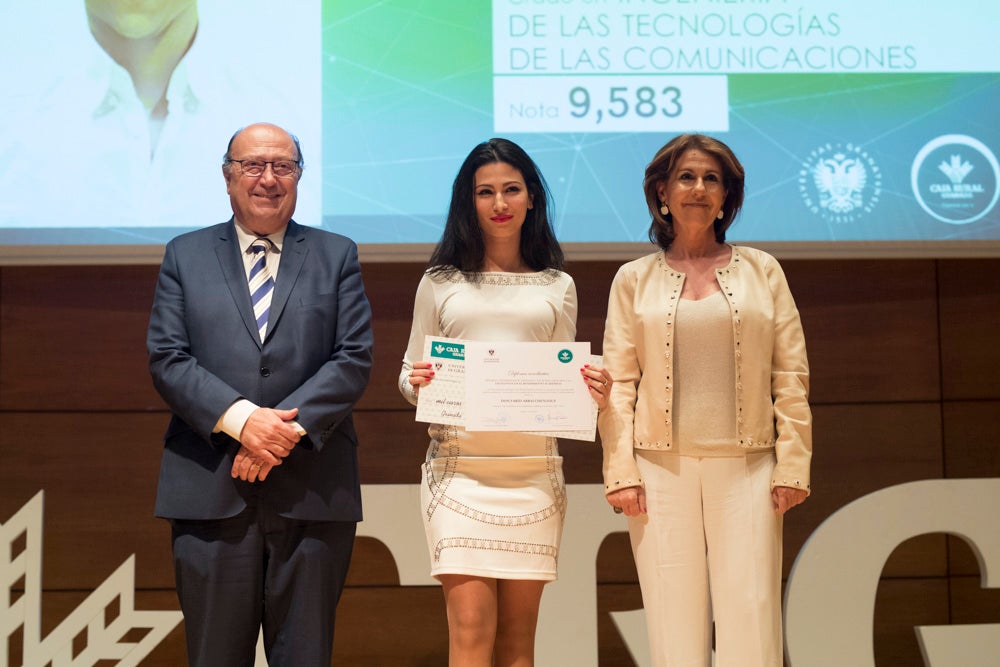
x=955 y=179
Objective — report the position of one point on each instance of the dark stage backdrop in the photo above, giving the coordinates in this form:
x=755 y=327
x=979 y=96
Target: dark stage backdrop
x=904 y=361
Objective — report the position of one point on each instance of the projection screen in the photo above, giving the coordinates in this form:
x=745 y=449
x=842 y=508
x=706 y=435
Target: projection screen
x=866 y=128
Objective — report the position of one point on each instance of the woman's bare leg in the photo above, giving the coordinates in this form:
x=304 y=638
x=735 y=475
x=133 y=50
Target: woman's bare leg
x=471 y=603
x=517 y=605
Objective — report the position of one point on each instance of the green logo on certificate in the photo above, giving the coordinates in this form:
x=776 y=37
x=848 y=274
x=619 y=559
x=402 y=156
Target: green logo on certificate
x=565 y=356
x=448 y=351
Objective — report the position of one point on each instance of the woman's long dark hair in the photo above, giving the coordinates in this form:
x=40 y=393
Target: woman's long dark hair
x=462 y=246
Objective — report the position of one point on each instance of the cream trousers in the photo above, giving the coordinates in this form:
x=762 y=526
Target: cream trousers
x=709 y=548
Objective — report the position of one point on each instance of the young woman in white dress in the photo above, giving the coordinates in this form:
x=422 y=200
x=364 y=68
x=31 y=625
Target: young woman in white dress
x=493 y=503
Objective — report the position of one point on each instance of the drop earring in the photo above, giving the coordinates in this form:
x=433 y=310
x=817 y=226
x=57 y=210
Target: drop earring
x=721 y=215
x=664 y=211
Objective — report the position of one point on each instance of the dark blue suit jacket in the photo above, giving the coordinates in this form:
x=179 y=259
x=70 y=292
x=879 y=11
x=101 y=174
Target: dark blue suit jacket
x=204 y=354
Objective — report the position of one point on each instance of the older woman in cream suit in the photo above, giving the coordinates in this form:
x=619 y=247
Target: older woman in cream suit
x=707 y=438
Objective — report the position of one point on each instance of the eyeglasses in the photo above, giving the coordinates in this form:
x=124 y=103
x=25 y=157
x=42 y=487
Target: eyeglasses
x=280 y=168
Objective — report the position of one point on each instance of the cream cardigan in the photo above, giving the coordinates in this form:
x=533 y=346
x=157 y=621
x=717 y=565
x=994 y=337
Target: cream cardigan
x=772 y=372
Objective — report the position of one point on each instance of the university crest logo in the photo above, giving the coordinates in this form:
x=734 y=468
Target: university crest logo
x=840 y=182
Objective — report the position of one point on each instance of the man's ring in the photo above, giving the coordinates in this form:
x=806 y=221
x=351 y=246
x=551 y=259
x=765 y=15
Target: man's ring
x=618 y=510
x=254 y=465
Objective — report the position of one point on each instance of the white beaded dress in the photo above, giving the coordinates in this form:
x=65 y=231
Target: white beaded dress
x=493 y=503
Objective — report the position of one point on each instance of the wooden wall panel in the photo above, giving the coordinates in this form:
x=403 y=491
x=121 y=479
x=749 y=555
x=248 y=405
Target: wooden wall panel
x=972 y=603
x=970 y=320
x=390 y=288
x=593 y=284
x=372 y=564
x=904 y=363
x=392 y=446
x=972 y=438
x=614 y=562
x=74 y=338
x=871 y=329
x=390 y=627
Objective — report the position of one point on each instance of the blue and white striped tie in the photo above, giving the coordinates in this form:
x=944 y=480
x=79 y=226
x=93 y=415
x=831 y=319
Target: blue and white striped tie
x=261 y=284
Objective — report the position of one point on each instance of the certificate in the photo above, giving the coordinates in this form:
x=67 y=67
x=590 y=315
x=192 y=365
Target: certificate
x=526 y=387
x=533 y=387
x=443 y=400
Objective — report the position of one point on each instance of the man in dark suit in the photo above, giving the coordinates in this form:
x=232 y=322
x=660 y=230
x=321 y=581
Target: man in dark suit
x=259 y=476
